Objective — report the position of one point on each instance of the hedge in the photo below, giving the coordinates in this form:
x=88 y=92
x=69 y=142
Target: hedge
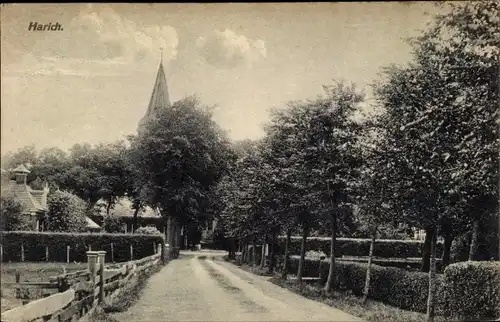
x=35 y=244
x=473 y=290
x=387 y=248
x=465 y=290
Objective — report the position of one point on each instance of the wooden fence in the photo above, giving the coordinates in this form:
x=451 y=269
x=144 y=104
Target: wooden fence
x=81 y=291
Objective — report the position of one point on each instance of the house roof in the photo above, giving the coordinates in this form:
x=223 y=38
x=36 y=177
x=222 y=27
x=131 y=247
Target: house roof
x=123 y=208
x=31 y=200
x=91 y=224
x=21 y=168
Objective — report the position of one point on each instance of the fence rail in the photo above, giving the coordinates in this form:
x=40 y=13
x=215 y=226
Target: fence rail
x=81 y=291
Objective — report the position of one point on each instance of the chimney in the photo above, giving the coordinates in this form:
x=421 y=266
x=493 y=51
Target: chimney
x=21 y=174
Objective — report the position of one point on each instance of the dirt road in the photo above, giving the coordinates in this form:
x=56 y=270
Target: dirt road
x=196 y=289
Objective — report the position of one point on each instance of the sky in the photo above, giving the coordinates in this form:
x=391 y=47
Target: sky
x=92 y=80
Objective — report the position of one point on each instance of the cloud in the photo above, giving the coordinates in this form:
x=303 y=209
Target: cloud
x=229 y=50
x=101 y=34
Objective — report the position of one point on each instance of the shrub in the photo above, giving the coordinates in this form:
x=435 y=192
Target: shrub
x=472 y=290
x=12 y=217
x=148 y=231
x=358 y=247
x=66 y=212
x=35 y=243
x=404 y=289
x=113 y=224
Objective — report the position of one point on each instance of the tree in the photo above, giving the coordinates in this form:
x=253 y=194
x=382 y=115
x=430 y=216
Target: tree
x=441 y=123
x=179 y=157
x=148 y=231
x=12 y=217
x=112 y=224
x=66 y=212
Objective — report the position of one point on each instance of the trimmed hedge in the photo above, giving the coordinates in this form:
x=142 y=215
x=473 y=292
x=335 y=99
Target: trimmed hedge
x=473 y=290
x=469 y=290
x=386 y=248
x=35 y=243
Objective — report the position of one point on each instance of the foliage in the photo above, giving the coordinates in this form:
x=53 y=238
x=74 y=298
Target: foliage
x=181 y=155
x=35 y=243
x=113 y=224
x=359 y=247
x=147 y=231
x=66 y=212
x=473 y=290
x=12 y=217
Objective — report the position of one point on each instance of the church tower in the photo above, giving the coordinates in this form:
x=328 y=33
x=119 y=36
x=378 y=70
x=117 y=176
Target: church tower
x=159 y=98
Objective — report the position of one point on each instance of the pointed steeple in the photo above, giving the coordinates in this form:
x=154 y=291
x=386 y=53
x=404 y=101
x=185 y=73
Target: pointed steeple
x=159 y=98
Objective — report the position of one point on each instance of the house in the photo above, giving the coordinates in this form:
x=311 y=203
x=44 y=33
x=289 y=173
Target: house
x=124 y=210
x=34 y=202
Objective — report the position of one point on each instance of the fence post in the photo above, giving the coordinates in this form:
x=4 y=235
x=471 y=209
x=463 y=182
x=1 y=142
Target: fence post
x=131 y=252
x=1 y=253
x=46 y=253
x=22 y=252
x=91 y=262
x=154 y=248
x=112 y=253
x=102 y=255
x=67 y=254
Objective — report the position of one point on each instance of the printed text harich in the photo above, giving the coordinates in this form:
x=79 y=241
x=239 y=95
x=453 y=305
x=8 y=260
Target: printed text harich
x=35 y=26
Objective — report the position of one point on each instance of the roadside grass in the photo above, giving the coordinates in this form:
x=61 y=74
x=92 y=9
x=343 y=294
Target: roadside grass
x=257 y=270
x=373 y=311
x=130 y=292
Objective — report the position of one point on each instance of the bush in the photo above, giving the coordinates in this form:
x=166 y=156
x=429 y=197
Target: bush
x=404 y=289
x=11 y=215
x=35 y=243
x=66 y=212
x=472 y=290
x=358 y=247
x=148 y=231
x=113 y=224
x=467 y=290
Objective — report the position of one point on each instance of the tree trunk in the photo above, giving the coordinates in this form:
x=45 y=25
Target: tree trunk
x=303 y=246
x=331 y=272
x=432 y=278
x=254 y=251
x=263 y=253
x=448 y=240
x=108 y=208
x=426 y=250
x=474 y=241
x=243 y=256
x=169 y=236
x=285 y=260
x=369 y=267
x=272 y=253
x=134 y=221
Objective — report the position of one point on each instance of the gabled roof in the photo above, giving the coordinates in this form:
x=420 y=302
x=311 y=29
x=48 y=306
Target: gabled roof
x=123 y=208
x=91 y=224
x=31 y=200
x=159 y=97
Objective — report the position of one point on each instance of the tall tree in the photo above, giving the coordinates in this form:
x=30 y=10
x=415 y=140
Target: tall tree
x=180 y=156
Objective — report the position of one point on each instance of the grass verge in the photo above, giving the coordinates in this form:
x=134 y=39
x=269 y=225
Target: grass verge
x=373 y=311
x=257 y=270
x=127 y=297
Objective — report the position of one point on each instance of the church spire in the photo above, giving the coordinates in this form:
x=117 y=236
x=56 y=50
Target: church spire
x=159 y=98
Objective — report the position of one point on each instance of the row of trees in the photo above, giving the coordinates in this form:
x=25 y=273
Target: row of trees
x=173 y=166
x=428 y=158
